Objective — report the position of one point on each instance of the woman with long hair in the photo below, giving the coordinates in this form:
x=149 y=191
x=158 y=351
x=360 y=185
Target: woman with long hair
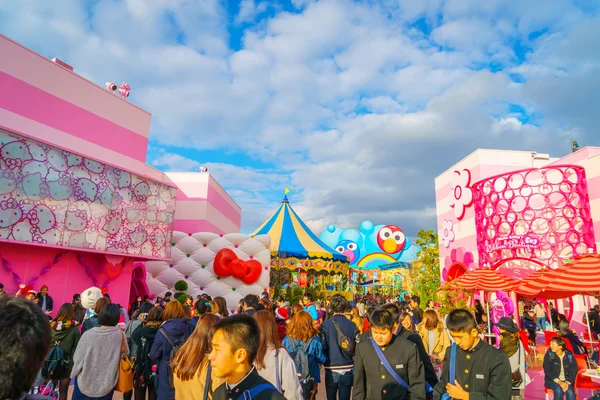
x=302 y=336
x=295 y=309
x=135 y=306
x=78 y=309
x=272 y=361
x=66 y=334
x=435 y=339
x=567 y=334
x=355 y=317
x=191 y=366
x=407 y=321
x=143 y=338
x=222 y=307
x=176 y=328
x=96 y=359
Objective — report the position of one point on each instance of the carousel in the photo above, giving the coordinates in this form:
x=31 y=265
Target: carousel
x=298 y=256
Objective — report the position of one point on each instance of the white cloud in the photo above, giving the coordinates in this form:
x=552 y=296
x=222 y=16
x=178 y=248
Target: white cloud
x=295 y=94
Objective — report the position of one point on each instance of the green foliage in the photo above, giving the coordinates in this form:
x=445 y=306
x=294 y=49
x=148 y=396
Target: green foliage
x=288 y=294
x=344 y=283
x=181 y=286
x=360 y=279
x=424 y=276
x=277 y=291
x=180 y=297
x=451 y=297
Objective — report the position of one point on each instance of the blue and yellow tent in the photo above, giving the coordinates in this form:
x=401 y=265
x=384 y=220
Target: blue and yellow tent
x=294 y=246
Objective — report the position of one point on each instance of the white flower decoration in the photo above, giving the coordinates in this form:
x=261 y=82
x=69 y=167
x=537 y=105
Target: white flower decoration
x=447 y=233
x=461 y=195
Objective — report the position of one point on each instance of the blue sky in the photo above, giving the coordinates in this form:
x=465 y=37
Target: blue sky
x=355 y=105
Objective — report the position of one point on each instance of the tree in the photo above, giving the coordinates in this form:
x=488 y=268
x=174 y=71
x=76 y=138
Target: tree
x=423 y=278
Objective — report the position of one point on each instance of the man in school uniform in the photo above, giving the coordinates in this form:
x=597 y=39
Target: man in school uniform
x=401 y=332
x=482 y=371
x=387 y=367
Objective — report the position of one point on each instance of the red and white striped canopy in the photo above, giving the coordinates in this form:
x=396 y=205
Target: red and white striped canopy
x=580 y=276
x=485 y=279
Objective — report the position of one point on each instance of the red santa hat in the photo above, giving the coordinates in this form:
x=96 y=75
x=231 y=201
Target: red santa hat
x=27 y=290
x=282 y=313
x=44 y=286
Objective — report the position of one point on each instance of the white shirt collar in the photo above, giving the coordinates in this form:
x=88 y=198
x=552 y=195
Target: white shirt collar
x=233 y=385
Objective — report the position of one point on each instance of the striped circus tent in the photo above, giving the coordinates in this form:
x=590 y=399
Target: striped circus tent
x=580 y=276
x=295 y=247
x=485 y=279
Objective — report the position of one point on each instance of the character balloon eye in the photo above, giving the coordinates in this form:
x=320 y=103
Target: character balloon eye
x=339 y=249
x=385 y=233
x=399 y=237
x=352 y=246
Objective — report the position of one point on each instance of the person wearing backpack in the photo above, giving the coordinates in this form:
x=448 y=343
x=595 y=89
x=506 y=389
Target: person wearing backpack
x=273 y=362
x=192 y=373
x=59 y=361
x=143 y=338
x=306 y=349
x=338 y=336
x=169 y=338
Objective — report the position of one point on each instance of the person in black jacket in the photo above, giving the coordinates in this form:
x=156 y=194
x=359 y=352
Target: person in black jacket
x=401 y=332
x=143 y=337
x=372 y=378
x=234 y=347
x=26 y=336
x=482 y=371
x=415 y=308
x=45 y=301
x=560 y=370
x=339 y=366
x=567 y=334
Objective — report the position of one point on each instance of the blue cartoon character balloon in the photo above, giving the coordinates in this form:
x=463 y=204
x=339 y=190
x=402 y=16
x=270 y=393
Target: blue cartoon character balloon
x=349 y=249
x=370 y=246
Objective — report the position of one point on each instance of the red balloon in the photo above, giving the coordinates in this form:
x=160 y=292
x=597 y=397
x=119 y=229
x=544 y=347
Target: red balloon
x=238 y=268
x=254 y=271
x=221 y=265
x=112 y=271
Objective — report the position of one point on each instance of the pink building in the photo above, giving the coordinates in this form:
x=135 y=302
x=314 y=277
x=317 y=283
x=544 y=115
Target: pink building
x=79 y=206
x=517 y=210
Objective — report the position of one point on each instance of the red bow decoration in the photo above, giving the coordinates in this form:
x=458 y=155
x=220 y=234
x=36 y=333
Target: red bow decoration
x=227 y=263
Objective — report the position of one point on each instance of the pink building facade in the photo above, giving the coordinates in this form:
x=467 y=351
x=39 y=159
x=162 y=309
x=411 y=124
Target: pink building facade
x=517 y=211
x=79 y=206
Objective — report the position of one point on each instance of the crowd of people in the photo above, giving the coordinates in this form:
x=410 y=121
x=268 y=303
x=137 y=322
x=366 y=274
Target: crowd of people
x=372 y=348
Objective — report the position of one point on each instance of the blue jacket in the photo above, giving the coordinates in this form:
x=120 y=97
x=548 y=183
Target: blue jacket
x=315 y=354
x=178 y=329
x=336 y=359
x=312 y=310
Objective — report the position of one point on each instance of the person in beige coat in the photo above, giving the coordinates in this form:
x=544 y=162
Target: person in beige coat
x=434 y=337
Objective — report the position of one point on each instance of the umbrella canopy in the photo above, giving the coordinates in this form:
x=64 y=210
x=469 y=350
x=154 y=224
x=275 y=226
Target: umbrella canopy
x=296 y=245
x=580 y=276
x=485 y=279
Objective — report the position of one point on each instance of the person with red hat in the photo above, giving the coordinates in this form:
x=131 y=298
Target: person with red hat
x=45 y=301
x=281 y=317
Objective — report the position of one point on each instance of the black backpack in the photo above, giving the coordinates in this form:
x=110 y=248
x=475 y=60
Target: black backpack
x=176 y=345
x=300 y=357
x=142 y=367
x=347 y=345
x=55 y=366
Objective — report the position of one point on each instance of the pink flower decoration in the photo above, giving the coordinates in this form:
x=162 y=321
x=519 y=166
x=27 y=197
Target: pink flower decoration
x=458 y=256
x=461 y=195
x=447 y=233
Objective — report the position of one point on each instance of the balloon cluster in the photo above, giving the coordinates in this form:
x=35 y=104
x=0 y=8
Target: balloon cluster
x=227 y=263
